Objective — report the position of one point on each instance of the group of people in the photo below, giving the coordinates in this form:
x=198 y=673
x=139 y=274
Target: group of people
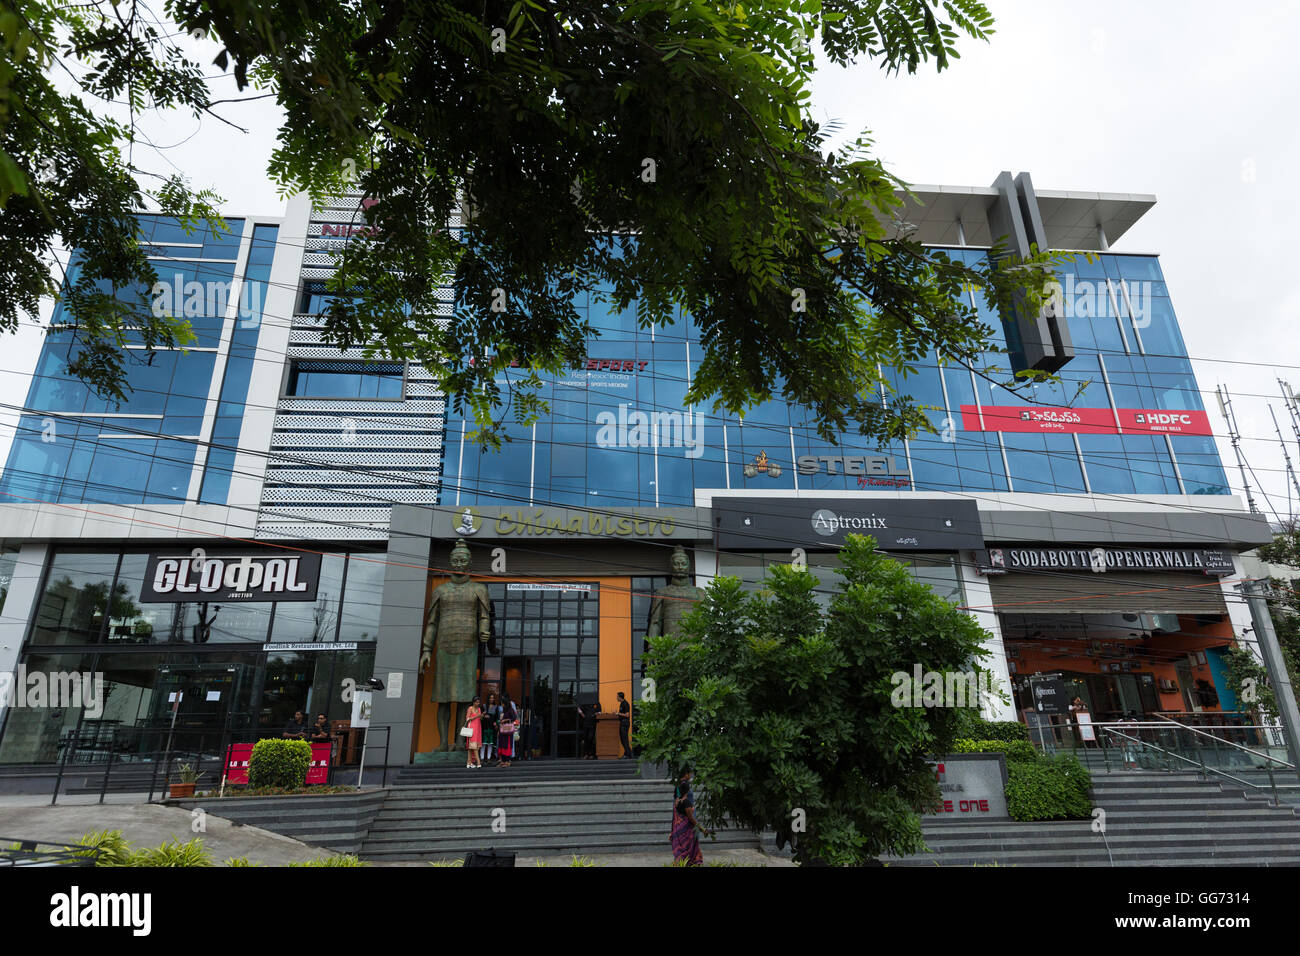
x=490 y=730
x=297 y=729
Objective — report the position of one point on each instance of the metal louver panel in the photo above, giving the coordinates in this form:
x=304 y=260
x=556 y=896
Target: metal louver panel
x=1110 y=593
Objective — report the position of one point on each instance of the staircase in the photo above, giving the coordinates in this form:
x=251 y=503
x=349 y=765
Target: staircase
x=531 y=771
x=540 y=809
x=1152 y=819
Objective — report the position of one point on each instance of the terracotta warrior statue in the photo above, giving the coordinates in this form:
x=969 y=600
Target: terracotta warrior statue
x=458 y=622
x=675 y=601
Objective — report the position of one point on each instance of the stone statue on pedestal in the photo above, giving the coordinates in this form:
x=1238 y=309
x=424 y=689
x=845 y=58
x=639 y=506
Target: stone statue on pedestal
x=458 y=622
x=675 y=601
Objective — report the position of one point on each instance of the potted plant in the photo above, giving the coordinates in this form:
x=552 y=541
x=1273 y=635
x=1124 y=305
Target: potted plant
x=188 y=778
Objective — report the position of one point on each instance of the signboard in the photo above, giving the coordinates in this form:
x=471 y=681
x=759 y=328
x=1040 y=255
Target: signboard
x=228 y=578
x=971 y=787
x=821 y=524
x=556 y=586
x=1084 y=421
x=238 y=755
x=468 y=521
x=361 y=707
x=1100 y=560
x=1049 y=696
x=310 y=646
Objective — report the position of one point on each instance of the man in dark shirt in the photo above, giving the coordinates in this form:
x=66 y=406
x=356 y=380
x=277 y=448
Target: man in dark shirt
x=320 y=731
x=624 y=725
x=588 y=712
x=296 y=729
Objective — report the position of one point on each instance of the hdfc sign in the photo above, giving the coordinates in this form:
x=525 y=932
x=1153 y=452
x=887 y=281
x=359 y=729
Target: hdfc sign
x=199 y=576
x=1171 y=422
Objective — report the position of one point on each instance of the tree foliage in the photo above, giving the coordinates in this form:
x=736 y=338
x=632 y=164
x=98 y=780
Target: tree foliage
x=787 y=713
x=68 y=176
x=678 y=131
x=1246 y=674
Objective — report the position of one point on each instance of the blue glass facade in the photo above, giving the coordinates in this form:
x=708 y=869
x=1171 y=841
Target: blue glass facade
x=618 y=433
x=73 y=446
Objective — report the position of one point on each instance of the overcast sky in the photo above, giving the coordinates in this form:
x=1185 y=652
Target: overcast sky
x=1194 y=102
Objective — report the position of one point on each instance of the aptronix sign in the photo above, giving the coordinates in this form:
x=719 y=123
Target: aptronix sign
x=1101 y=560
x=231 y=577
x=821 y=524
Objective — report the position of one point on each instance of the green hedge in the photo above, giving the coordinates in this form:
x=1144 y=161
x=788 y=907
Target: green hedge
x=279 y=763
x=973 y=727
x=1015 y=750
x=1050 y=788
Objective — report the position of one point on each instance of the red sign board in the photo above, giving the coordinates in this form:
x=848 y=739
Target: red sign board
x=1084 y=421
x=238 y=755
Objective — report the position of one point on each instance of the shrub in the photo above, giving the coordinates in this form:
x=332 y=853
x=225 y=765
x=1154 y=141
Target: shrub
x=1003 y=730
x=1014 y=750
x=342 y=860
x=113 y=848
x=1054 y=788
x=173 y=853
x=973 y=727
x=279 y=763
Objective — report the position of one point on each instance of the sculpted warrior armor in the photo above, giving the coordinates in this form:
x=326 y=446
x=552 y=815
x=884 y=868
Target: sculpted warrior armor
x=672 y=603
x=458 y=622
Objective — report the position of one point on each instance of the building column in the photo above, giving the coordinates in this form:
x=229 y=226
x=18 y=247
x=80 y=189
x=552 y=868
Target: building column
x=979 y=600
x=20 y=607
x=401 y=628
x=1238 y=609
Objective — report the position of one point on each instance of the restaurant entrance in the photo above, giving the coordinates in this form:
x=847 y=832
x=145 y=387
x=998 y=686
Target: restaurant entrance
x=544 y=653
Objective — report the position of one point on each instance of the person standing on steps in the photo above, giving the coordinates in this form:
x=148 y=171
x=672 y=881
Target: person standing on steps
x=473 y=717
x=491 y=717
x=506 y=734
x=624 y=725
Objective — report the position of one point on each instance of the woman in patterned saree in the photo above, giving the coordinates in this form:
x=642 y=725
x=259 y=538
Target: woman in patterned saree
x=686 y=841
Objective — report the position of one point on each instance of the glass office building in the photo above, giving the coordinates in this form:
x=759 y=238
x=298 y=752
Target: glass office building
x=261 y=443
x=173 y=438
x=618 y=432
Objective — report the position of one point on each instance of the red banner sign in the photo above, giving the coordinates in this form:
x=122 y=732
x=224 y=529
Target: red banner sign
x=238 y=755
x=1084 y=421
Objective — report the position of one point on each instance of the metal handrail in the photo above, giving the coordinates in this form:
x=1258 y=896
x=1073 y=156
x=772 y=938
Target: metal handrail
x=1202 y=733
x=1201 y=765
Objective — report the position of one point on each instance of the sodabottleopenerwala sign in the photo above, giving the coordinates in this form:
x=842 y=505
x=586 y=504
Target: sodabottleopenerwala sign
x=1101 y=560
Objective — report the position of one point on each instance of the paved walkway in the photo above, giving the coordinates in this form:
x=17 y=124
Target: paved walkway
x=148 y=825
x=30 y=816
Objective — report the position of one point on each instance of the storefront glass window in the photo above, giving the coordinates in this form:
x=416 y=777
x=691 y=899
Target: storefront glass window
x=75 y=602
x=8 y=558
x=302 y=621
x=362 y=598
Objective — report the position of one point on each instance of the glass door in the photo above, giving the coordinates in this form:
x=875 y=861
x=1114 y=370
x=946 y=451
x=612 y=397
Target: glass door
x=539 y=706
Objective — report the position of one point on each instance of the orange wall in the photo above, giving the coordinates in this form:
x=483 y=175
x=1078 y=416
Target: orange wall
x=615 y=662
x=1158 y=656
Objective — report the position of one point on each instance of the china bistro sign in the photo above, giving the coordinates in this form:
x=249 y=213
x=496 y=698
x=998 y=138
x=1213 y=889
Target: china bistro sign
x=203 y=576
x=466 y=522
